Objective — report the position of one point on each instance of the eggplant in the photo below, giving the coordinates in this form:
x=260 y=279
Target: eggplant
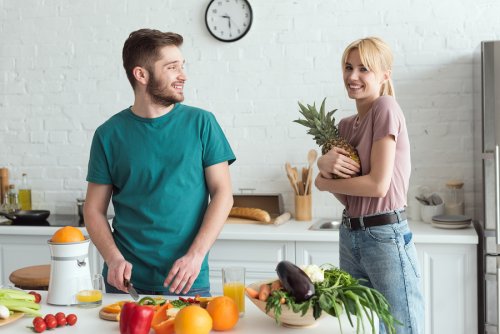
x=295 y=281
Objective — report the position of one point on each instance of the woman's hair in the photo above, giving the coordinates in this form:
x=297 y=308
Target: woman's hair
x=142 y=48
x=376 y=55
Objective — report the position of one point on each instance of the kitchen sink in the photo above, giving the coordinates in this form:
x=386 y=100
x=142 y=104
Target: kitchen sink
x=326 y=225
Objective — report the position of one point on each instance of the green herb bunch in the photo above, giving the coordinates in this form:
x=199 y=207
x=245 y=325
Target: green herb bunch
x=338 y=292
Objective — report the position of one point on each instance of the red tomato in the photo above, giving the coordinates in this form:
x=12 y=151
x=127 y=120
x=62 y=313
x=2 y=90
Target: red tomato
x=71 y=319
x=38 y=297
x=48 y=316
x=60 y=315
x=37 y=319
x=51 y=322
x=61 y=321
x=40 y=326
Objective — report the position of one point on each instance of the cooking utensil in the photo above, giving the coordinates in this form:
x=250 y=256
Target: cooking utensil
x=300 y=186
x=311 y=158
x=27 y=216
x=133 y=293
x=291 y=177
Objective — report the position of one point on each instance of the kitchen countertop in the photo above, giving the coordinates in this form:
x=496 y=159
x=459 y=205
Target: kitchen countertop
x=254 y=321
x=291 y=231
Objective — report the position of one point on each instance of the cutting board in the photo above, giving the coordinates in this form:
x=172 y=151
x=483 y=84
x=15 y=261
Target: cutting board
x=275 y=220
x=108 y=316
x=12 y=318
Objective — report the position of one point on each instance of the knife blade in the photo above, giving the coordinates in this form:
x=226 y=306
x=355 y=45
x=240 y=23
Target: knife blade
x=131 y=289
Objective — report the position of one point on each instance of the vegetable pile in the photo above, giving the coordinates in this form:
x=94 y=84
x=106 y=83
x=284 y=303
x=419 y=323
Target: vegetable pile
x=19 y=301
x=330 y=290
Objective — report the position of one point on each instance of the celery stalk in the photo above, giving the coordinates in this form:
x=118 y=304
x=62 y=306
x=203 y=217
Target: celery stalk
x=25 y=306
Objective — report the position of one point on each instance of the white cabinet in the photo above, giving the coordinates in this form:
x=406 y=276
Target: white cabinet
x=309 y=252
x=258 y=257
x=449 y=278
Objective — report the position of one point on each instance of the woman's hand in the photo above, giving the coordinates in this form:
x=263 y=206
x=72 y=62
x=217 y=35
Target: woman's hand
x=337 y=162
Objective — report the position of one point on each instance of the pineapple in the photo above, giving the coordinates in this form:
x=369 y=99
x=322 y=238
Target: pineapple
x=322 y=127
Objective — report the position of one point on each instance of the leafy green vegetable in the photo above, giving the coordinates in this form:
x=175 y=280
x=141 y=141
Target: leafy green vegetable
x=179 y=303
x=338 y=292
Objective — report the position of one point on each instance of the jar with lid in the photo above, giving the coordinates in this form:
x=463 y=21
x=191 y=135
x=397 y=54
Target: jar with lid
x=454 y=199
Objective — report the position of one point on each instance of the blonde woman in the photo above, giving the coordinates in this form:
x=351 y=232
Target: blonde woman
x=376 y=243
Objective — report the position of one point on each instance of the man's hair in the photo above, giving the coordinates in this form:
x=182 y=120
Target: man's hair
x=142 y=48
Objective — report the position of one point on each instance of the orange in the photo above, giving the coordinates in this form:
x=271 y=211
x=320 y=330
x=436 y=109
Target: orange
x=67 y=234
x=224 y=313
x=161 y=315
x=193 y=320
x=165 y=327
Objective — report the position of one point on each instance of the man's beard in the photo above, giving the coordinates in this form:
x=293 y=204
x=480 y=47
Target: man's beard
x=159 y=96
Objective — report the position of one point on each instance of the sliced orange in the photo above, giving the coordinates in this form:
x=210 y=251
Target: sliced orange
x=112 y=308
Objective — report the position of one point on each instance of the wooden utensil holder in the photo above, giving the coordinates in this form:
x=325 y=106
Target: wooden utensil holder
x=303 y=207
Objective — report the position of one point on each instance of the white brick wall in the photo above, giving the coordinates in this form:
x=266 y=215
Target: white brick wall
x=61 y=76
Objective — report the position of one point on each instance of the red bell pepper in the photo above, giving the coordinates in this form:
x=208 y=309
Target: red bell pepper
x=135 y=319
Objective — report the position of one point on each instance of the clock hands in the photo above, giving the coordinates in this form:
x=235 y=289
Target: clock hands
x=228 y=20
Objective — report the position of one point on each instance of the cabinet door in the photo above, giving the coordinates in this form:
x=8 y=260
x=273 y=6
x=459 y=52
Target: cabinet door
x=258 y=257
x=317 y=253
x=449 y=281
x=21 y=251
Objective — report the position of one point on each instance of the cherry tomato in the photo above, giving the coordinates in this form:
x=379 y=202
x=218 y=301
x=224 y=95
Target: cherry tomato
x=40 y=326
x=71 y=319
x=48 y=316
x=37 y=319
x=60 y=315
x=61 y=321
x=51 y=322
x=38 y=297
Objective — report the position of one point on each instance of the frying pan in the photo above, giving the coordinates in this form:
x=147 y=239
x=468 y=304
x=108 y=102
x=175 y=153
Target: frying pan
x=27 y=216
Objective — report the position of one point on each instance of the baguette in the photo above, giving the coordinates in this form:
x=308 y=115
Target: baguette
x=250 y=213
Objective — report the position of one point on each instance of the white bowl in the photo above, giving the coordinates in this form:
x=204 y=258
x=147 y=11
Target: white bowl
x=288 y=318
x=429 y=211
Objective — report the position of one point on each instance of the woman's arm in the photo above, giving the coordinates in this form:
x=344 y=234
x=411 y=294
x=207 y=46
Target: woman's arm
x=374 y=184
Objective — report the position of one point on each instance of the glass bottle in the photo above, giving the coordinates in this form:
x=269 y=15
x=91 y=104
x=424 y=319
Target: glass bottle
x=454 y=202
x=25 y=194
x=5 y=207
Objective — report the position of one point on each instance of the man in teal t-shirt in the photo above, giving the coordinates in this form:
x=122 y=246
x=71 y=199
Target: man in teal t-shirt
x=159 y=161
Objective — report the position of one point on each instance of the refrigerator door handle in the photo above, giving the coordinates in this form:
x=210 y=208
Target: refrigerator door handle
x=497 y=195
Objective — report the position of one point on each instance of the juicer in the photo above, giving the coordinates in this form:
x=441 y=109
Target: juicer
x=69 y=271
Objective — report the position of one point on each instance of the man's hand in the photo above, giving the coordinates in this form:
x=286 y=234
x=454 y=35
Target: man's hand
x=118 y=270
x=337 y=162
x=183 y=274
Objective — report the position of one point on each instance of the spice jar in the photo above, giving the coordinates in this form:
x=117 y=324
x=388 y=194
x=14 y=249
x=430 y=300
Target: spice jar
x=454 y=199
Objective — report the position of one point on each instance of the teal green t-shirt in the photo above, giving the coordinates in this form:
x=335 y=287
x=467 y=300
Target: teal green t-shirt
x=156 y=167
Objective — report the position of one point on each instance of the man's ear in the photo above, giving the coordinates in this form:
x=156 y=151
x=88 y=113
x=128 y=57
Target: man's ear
x=141 y=75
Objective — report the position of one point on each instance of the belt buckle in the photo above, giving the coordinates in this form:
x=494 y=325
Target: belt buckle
x=346 y=221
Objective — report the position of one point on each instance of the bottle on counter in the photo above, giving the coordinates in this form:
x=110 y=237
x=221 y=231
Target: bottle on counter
x=454 y=199
x=25 y=194
x=5 y=207
x=13 y=199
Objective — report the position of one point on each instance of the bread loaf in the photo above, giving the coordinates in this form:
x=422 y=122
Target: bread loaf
x=250 y=213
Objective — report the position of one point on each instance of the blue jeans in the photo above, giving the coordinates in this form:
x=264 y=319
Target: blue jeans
x=203 y=292
x=385 y=256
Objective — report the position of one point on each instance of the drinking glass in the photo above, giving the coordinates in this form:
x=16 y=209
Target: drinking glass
x=233 y=286
x=88 y=298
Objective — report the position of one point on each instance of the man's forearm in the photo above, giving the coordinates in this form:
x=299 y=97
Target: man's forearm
x=100 y=232
x=213 y=221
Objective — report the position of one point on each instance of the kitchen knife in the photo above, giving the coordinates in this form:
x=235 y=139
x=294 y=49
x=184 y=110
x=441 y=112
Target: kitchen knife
x=131 y=289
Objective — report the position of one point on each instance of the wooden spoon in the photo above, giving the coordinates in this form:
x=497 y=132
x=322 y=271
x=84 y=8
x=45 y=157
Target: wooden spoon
x=291 y=177
x=311 y=158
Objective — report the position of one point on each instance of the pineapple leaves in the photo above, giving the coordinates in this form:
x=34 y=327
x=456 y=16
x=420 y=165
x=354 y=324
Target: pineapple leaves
x=321 y=124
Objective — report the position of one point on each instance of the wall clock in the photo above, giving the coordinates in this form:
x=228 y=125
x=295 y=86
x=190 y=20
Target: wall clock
x=228 y=20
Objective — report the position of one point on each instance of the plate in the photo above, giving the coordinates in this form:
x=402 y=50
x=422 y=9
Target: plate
x=450 y=226
x=452 y=218
x=12 y=318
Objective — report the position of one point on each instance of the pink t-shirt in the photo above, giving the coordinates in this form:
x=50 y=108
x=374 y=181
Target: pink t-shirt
x=385 y=118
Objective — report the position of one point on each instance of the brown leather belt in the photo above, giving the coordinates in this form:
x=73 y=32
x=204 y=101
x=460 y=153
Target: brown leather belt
x=370 y=221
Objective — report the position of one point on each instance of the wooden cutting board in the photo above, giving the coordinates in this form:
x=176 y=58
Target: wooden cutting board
x=108 y=316
x=12 y=318
x=284 y=217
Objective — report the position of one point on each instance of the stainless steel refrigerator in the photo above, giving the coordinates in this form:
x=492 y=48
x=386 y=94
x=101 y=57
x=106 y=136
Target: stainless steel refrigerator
x=487 y=182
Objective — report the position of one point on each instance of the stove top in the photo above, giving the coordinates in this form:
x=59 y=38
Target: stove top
x=53 y=220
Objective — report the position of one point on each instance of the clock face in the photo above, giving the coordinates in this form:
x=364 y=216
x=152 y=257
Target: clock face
x=228 y=20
